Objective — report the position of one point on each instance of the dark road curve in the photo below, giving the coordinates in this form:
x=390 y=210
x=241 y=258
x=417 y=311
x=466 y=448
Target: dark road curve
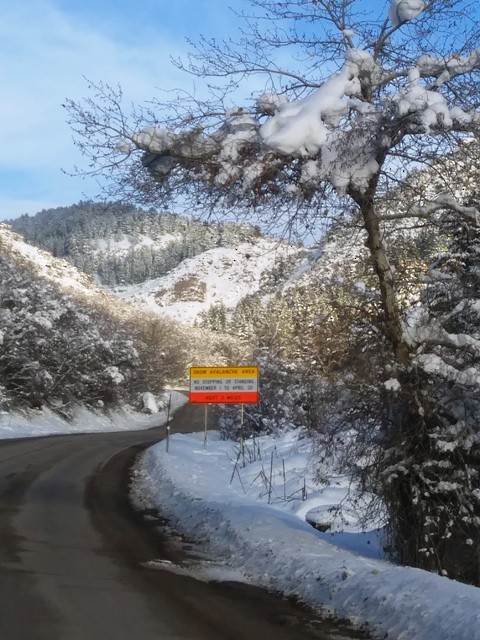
x=72 y=554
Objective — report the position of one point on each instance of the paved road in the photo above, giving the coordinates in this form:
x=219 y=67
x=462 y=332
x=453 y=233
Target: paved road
x=72 y=554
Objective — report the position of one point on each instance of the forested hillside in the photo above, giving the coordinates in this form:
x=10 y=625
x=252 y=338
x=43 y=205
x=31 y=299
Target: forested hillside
x=65 y=341
x=172 y=265
x=122 y=244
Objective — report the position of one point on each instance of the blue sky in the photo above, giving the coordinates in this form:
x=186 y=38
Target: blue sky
x=47 y=47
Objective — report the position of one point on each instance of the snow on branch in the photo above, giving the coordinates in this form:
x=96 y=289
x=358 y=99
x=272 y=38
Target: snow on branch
x=334 y=131
x=442 y=202
x=290 y=143
x=434 y=364
x=304 y=126
x=434 y=334
x=445 y=69
x=162 y=141
x=318 y=130
x=430 y=107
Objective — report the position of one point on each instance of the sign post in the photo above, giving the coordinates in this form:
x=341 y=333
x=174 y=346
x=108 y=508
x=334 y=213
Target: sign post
x=242 y=448
x=168 y=421
x=205 y=437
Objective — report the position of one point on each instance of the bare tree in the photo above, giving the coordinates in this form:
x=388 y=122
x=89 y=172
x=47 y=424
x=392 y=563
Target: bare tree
x=351 y=102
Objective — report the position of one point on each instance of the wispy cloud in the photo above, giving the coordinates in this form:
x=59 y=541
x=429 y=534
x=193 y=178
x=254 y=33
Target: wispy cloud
x=45 y=54
x=49 y=47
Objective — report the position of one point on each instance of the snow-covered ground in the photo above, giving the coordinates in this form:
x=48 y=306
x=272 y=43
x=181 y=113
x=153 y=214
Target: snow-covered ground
x=261 y=533
x=45 y=422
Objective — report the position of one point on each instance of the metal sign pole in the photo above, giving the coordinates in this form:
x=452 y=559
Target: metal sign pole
x=168 y=419
x=241 y=432
x=205 y=437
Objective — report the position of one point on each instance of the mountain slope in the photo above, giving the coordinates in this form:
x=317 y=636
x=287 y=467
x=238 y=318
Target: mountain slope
x=121 y=244
x=43 y=265
x=58 y=342
x=65 y=340
x=220 y=276
x=169 y=264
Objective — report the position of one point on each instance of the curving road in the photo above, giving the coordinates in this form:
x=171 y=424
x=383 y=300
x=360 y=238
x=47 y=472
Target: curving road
x=72 y=553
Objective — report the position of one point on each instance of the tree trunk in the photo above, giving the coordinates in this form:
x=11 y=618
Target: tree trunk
x=381 y=264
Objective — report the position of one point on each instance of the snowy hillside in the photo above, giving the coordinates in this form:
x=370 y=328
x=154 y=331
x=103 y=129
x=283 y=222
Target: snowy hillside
x=45 y=266
x=223 y=275
x=121 y=245
x=169 y=264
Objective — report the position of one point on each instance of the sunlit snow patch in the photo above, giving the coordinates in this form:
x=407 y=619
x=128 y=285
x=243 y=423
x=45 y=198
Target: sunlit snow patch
x=202 y=570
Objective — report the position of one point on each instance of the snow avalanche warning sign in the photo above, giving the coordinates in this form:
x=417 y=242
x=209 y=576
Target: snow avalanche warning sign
x=223 y=385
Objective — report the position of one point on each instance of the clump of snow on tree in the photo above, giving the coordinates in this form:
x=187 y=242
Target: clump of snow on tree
x=401 y=11
x=269 y=103
x=431 y=106
x=303 y=126
x=392 y=384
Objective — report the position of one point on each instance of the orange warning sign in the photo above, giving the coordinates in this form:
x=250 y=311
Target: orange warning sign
x=224 y=385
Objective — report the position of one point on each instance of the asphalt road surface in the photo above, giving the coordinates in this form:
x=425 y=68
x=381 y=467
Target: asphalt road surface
x=73 y=554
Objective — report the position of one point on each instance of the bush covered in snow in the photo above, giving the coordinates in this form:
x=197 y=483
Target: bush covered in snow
x=56 y=350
